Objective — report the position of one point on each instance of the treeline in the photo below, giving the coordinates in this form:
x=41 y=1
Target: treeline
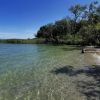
x=82 y=28
x=22 y=41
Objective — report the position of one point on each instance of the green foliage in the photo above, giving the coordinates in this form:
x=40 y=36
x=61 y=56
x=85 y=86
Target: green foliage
x=83 y=28
x=98 y=26
x=77 y=10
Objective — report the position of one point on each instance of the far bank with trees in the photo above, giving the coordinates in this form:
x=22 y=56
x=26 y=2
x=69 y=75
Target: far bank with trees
x=82 y=29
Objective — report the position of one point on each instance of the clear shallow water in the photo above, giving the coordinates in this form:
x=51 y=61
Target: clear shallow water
x=38 y=72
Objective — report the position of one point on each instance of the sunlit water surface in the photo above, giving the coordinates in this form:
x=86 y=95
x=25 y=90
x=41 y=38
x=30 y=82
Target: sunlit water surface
x=26 y=72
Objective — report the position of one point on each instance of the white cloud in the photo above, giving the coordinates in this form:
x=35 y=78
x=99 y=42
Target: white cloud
x=16 y=35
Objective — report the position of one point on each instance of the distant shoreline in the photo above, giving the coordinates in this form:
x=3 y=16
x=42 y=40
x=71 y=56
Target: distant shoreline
x=22 y=41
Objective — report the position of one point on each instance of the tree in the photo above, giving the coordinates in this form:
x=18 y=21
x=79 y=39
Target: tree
x=77 y=11
x=84 y=25
x=92 y=13
x=45 y=31
x=60 y=27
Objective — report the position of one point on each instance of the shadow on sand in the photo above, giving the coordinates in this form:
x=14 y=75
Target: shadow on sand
x=90 y=89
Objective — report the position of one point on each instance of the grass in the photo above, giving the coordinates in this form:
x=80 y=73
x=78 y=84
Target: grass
x=23 y=41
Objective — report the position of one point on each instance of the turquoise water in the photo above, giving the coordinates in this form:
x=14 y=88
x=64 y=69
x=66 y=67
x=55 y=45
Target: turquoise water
x=27 y=72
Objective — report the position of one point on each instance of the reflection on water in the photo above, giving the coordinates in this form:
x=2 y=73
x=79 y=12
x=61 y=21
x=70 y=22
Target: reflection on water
x=92 y=58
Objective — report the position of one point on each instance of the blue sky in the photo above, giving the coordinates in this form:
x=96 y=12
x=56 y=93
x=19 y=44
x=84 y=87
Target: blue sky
x=22 y=18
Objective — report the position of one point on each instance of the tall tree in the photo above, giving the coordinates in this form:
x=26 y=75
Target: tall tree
x=77 y=11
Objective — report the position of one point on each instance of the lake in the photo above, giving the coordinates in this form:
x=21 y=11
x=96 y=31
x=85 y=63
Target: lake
x=47 y=72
